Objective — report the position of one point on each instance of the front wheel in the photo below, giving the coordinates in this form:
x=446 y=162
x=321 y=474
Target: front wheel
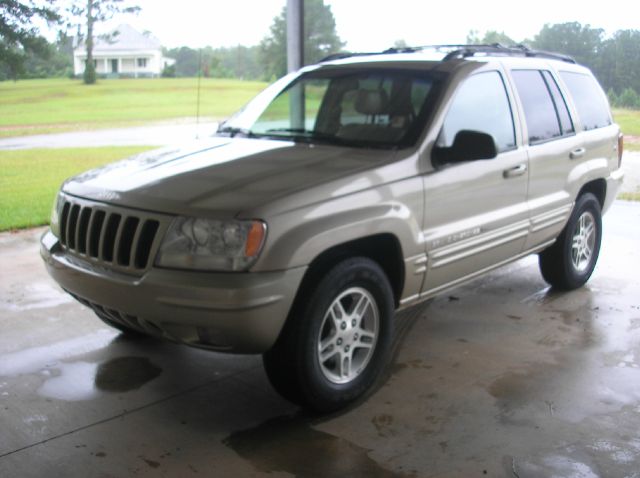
x=569 y=262
x=337 y=340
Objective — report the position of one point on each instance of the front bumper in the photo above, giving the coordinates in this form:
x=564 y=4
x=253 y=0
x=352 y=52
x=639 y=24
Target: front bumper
x=232 y=312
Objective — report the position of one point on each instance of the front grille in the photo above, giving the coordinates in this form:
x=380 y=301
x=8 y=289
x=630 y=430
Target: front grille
x=118 y=238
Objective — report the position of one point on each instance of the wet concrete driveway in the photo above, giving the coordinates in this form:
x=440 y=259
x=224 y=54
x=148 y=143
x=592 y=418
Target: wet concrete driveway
x=501 y=377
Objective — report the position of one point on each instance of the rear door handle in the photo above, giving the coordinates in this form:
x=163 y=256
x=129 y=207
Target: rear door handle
x=577 y=153
x=518 y=170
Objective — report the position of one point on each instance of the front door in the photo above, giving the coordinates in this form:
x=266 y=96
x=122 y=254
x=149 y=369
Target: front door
x=476 y=213
x=114 y=66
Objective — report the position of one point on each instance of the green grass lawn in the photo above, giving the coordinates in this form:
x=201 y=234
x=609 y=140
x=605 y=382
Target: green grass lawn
x=629 y=121
x=55 y=105
x=30 y=179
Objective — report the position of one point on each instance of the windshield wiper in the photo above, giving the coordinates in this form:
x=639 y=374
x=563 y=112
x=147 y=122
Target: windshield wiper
x=303 y=133
x=289 y=130
x=233 y=131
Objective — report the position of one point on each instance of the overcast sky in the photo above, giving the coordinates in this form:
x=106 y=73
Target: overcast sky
x=374 y=24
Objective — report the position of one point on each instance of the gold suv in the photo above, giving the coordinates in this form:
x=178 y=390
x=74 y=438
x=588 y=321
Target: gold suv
x=340 y=194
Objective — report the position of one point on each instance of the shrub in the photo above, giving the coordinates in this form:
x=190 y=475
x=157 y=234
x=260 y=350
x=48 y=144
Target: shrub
x=629 y=99
x=169 y=71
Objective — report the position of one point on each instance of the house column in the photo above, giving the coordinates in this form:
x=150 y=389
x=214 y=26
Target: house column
x=106 y=65
x=119 y=65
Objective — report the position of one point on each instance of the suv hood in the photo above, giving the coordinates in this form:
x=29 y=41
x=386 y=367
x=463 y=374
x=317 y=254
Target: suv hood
x=221 y=176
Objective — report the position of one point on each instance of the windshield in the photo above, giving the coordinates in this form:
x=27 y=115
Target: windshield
x=355 y=107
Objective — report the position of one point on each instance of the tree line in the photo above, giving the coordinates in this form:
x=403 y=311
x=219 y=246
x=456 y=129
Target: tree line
x=614 y=60
x=25 y=53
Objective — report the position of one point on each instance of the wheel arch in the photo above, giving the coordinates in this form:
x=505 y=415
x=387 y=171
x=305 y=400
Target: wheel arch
x=384 y=249
x=597 y=187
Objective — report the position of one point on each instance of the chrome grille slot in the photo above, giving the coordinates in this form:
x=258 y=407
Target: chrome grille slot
x=83 y=225
x=64 y=219
x=129 y=227
x=109 y=239
x=112 y=237
x=71 y=226
x=95 y=230
x=143 y=245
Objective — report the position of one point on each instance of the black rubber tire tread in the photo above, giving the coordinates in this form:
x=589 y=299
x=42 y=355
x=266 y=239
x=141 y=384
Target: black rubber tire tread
x=292 y=365
x=555 y=262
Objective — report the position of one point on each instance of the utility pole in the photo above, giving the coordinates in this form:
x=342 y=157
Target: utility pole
x=295 y=32
x=295 y=59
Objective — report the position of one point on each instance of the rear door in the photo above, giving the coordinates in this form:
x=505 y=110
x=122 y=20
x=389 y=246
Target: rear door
x=554 y=150
x=475 y=211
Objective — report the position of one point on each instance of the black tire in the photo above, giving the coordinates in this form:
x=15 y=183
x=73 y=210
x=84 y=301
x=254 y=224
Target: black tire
x=357 y=339
x=569 y=262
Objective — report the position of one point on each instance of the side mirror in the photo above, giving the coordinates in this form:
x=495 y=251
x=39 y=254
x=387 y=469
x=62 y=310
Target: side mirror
x=467 y=146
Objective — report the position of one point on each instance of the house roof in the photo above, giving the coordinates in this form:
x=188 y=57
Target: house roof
x=127 y=38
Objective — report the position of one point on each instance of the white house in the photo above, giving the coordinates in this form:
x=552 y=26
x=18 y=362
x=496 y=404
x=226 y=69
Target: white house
x=128 y=53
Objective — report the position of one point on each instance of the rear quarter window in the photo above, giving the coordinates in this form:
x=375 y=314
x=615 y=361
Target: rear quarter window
x=589 y=99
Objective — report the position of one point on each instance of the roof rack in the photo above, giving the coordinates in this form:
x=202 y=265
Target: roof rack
x=458 y=52
x=466 y=51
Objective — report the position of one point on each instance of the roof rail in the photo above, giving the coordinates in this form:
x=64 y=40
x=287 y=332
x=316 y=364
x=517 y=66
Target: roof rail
x=341 y=55
x=466 y=51
x=458 y=52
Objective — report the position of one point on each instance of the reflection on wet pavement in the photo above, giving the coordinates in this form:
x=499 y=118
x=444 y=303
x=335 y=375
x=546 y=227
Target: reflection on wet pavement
x=292 y=445
x=124 y=374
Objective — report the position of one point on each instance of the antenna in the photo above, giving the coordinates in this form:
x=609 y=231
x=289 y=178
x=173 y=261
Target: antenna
x=198 y=95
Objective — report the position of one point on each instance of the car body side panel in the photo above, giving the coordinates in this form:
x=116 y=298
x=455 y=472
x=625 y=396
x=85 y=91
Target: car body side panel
x=296 y=237
x=550 y=189
x=474 y=217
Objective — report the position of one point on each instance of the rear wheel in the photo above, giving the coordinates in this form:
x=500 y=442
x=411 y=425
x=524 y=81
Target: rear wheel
x=570 y=261
x=336 y=341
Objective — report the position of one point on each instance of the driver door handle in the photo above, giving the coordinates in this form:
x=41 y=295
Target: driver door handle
x=577 y=153
x=518 y=170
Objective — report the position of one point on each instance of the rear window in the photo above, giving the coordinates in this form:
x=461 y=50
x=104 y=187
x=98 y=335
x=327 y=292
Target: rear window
x=543 y=122
x=588 y=98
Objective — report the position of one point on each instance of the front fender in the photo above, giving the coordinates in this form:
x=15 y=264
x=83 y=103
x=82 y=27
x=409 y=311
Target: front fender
x=297 y=237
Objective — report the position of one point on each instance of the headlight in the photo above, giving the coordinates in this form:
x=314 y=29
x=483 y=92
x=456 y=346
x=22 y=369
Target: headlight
x=56 y=212
x=207 y=244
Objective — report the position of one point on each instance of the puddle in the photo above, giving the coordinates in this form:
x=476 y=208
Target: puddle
x=34 y=296
x=72 y=382
x=34 y=359
x=78 y=381
x=573 y=389
x=124 y=374
x=292 y=445
x=556 y=465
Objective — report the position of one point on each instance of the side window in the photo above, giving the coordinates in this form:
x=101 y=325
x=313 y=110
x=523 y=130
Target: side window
x=561 y=106
x=543 y=122
x=480 y=104
x=588 y=98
